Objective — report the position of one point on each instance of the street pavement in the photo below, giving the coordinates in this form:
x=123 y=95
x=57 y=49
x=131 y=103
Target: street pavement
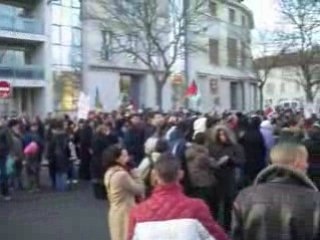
x=73 y=215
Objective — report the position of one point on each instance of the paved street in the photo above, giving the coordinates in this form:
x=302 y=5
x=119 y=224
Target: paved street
x=74 y=215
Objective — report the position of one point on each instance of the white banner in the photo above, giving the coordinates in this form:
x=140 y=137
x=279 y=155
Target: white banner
x=83 y=106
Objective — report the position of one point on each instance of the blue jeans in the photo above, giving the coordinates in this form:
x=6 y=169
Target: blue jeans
x=61 y=181
x=4 y=177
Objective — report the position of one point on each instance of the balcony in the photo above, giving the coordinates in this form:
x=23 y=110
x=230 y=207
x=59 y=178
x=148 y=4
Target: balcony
x=29 y=75
x=19 y=24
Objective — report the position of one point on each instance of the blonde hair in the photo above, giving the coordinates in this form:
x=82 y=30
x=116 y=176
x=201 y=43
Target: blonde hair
x=287 y=153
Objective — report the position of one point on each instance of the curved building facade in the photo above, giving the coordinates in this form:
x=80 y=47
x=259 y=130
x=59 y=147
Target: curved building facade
x=223 y=69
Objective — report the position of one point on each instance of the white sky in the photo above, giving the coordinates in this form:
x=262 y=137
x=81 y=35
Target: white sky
x=265 y=14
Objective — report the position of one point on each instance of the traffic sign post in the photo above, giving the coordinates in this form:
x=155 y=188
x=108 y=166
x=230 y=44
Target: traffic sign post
x=5 y=89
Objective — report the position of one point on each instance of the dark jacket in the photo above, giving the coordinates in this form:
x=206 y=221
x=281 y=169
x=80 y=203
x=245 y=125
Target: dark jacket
x=254 y=150
x=134 y=140
x=283 y=204
x=200 y=166
x=59 y=152
x=100 y=143
x=4 y=143
x=313 y=147
x=227 y=173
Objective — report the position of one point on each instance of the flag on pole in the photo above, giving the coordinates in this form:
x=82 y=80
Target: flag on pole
x=191 y=90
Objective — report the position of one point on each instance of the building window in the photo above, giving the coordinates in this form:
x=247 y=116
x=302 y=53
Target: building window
x=243 y=54
x=56 y=34
x=232 y=52
x=133 y=44
x=76 y=37
x=232 y=15
x=243 y=21
x=106 y=45
x=214 y=51
x=213 y=8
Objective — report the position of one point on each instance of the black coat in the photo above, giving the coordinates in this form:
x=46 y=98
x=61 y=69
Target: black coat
x=313 y=147
x=100 y=143
x=134 y=140
x=59 y=161
x=226 y=174
x=254 y=151
x=283 y=204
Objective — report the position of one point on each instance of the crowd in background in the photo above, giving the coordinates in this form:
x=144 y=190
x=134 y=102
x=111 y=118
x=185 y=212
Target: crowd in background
x=220 y=154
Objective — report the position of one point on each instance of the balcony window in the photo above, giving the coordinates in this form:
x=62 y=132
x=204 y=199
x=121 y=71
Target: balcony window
x=214 y=51
x=232 y=52
x=75 y=18
x=76 y=37
x=243 y=21
x=66 y=36
x=232 y=15
x=56 y=34
x=56 y=14
x=106 y=45
x=56 y=54
x=12 y=57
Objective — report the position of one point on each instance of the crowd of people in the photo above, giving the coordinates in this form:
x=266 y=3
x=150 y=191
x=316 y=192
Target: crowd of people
x=180 y=175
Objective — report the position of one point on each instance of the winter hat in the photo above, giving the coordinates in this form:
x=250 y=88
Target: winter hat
x=200 y=125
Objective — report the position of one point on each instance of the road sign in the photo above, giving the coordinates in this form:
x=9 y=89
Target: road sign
x=4 y=89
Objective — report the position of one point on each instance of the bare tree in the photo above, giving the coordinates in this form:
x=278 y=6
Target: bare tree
x=151 y=31
x=267 y=57
x=300 y=34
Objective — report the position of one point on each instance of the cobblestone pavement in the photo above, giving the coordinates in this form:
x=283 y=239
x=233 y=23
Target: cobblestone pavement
x=73 y=215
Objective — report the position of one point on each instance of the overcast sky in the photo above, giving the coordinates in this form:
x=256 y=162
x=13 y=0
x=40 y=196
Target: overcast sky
x=264 y=12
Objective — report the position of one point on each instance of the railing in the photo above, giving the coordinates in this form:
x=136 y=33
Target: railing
x=20 y=24
x=22 y=72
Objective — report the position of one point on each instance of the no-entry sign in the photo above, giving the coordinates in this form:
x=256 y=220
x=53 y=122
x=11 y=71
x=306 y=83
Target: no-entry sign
x=4 y=89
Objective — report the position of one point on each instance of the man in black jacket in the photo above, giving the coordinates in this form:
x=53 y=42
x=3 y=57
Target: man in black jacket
x=283 y=203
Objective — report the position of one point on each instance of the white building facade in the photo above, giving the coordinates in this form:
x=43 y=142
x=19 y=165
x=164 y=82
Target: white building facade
x=224 y=72
x=111 y=79
x=24 y=48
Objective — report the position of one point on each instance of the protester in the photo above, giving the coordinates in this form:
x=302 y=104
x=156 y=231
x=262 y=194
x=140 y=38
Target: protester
x=33 y=158
x=16 y=151
x=202 y=173
x=123 y=186
x=83 y=138
x=168 y=212
x=59 y=155
x=254 y=149
x=153 y=152
x=103 y=138
x=267 y=131
x=224 y=148
x=283 y=203
x=134 y=139
x=4 y=154
x=313 y=146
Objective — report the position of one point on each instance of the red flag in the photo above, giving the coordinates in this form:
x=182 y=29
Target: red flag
x=192 y=89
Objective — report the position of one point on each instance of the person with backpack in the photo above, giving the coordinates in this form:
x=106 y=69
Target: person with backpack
x=4 y=154
x=58 y=155
x=33 y=147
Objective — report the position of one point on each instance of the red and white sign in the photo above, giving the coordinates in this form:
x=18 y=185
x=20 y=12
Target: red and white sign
x=4 y=89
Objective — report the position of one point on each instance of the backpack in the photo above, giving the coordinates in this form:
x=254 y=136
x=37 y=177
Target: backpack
x=61 y=148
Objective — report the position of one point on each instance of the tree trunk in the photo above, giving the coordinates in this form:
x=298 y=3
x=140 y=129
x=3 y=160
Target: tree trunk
x=261 y=97
x=309 y=94
x=159 y=100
